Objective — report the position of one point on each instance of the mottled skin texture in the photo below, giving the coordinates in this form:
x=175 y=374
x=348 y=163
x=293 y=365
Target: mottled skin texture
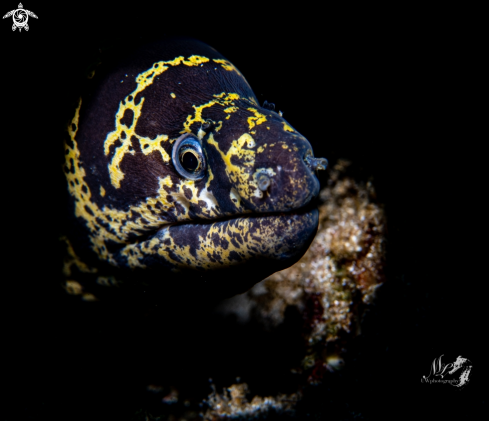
x=133 y=212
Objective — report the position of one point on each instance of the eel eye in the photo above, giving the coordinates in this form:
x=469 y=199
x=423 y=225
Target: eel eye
x=188 y=157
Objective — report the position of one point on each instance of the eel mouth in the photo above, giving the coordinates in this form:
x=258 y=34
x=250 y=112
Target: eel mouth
x=298 y=212
x=220 y=243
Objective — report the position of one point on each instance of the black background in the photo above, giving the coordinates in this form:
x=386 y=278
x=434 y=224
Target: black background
x=397 y=92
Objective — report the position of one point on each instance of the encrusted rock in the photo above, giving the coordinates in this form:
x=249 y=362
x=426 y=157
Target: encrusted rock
x=233 y=403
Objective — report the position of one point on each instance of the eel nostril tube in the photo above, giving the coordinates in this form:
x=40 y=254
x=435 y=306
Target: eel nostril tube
x=319 y=163
x=315 y=164
x=263 y=181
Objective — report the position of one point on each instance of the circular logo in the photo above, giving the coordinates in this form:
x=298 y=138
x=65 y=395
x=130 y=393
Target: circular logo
x=20 y=18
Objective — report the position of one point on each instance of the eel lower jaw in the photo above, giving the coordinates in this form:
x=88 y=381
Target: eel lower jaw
x=231 y=254
x=281 y=238
x=220 y=258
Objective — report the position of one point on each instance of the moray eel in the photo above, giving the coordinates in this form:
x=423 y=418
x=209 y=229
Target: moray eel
x=173 y=167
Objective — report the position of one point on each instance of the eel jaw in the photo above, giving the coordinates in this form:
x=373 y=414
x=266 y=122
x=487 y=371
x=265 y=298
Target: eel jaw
x=279 y=239
x=218 y=259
